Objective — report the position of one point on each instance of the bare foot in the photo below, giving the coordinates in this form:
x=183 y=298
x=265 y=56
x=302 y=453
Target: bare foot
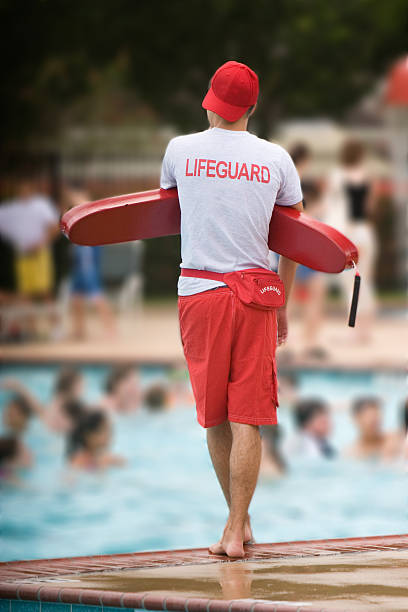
x=231 y=544
x=248 y=535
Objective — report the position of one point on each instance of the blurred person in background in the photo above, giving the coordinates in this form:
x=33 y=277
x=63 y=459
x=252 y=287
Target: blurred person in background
x=16 y=418
x=156 y=398
x=9 y=328
x=310 y=286
x=273 y=465
x=405 y=428
x=395 y=442
x=372 y=442
x=314 y=425
x=66 y=399
x=88 y=444
x=30 y=223
x=64 y=408
x=122 y=390
x=10 y=460
x=169 y=394
x=86 y=278
x=349 y=205
x=17 y=412
x=180 y=387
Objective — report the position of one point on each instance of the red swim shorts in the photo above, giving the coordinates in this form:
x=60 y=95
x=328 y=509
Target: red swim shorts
x=230 y=353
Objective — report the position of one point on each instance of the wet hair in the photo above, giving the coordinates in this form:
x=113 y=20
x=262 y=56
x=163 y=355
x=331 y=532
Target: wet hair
x=299 y=153
x=74 y=409
x=87 y=423
x=352 y=152
x=404 y=415
x=155 y=397
x=22 y=405
x=307 y=409
x=8 y=448
x=66 y=379
x=115 y=376
x=361 y=403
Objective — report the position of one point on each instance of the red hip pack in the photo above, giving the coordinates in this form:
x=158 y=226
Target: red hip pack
x=256 y=287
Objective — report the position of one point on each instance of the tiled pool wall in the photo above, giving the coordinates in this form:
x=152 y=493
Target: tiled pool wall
x=175 y=605
x=14 y=605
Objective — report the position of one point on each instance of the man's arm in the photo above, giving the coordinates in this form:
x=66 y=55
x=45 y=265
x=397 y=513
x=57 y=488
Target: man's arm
x=287 y=272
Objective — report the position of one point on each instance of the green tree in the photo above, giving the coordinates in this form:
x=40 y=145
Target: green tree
x=313 y=56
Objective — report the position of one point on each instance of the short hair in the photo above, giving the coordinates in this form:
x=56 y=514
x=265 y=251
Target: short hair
x=22 y=405
x=404 y=415
x=307 y=409
x=361 y=403
x=74 y=409
x=250 y=109
x=352 y=152
x=8 y=448
x=87 y=423
x=66 y=379
x=116 y=375
x=155 y=397
x=299 y=153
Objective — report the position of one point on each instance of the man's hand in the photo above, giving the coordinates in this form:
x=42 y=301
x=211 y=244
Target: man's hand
x=287 y=272
x=282 y=321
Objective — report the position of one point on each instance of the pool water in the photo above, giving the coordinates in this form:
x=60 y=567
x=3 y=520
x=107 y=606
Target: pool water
x=167 y=496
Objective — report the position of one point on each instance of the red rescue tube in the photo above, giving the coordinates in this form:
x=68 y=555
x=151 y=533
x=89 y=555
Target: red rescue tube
x=155 y=213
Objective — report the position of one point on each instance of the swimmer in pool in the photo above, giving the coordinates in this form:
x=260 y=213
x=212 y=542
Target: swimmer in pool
x=394 y=446
x=88 y=443
x=372 y=441
x=10 y=460
x=228 y=182
x=122 y=390
x=68 y=390
x=312 y=438
x=17 y=414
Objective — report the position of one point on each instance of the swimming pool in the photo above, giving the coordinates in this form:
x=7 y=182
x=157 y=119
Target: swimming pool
x=167 y=496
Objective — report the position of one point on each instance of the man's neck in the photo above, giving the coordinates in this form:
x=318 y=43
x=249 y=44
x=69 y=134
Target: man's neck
x=238 y=126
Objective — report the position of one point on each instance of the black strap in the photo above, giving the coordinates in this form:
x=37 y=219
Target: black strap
x=354 y=301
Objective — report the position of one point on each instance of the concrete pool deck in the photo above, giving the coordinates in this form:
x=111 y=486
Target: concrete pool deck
x=152 y=336
x=343 y=574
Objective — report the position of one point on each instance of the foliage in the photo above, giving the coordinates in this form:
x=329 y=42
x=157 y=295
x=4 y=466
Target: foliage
x=313 y=56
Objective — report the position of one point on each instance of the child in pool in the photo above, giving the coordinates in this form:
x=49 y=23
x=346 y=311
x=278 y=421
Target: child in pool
x=63 y=410
x=88 y=443
x=68 y=390
x=122 y=390
x=16 y=417
x=11 y=459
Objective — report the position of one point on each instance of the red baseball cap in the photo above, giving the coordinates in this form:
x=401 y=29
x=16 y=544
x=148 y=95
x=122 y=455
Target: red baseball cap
x=234 y=89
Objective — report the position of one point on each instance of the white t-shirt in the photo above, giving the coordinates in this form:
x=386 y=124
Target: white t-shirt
x=228 y=183
x=25 y=222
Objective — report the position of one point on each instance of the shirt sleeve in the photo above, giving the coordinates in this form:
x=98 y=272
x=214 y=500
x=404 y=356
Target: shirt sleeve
x=290 y=191
x=47 y=210
x=168 y=174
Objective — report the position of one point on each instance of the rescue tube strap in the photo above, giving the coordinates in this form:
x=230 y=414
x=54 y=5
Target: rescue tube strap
x=354 y=300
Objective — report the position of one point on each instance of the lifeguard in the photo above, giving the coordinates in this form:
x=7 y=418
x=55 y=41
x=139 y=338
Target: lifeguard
x=228 y=182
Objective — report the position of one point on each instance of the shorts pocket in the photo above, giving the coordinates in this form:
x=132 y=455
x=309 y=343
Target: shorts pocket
x=193 y=321
x=270 y=380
